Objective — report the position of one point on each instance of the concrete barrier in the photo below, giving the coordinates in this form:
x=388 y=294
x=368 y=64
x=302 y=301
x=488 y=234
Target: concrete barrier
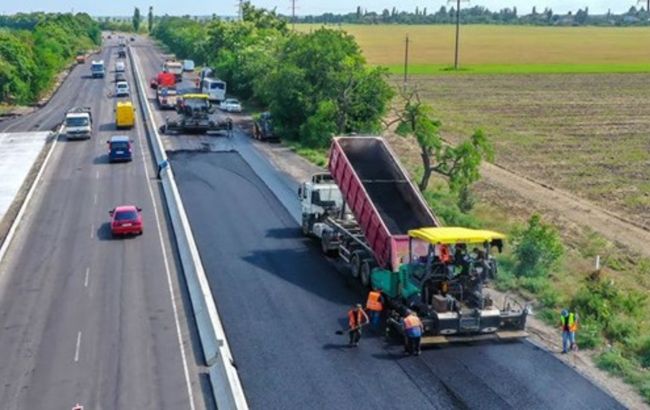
x=226 y=386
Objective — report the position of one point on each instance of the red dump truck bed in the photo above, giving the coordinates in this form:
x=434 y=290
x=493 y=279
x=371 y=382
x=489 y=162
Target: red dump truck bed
x=385 y=203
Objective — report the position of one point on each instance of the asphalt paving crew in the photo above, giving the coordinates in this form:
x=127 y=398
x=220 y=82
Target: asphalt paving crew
x=357 y=318
x=569 y=322
x=374 y=306
x=413 y=330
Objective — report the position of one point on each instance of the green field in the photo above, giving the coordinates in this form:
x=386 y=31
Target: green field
x=505 y=49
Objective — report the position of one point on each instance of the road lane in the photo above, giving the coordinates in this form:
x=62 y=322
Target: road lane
x=87 y=318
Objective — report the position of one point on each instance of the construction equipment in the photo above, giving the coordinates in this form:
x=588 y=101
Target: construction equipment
x=263 y=128
x=368 y=213
x=195 y=117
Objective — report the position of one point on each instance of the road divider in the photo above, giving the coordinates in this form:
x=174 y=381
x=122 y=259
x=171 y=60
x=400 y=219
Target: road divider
x=226 y=385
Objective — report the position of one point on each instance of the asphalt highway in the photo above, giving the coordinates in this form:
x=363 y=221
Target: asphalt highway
x=86 y=318
x=281 y=303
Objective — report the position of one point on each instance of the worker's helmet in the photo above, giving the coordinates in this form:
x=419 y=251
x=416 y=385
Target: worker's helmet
x=565 y=313
x=359 y=306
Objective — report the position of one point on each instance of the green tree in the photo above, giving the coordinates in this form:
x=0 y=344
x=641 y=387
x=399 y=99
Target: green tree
x=460 y=164
x=150 y=19
x=537 y=248
x=136 y=20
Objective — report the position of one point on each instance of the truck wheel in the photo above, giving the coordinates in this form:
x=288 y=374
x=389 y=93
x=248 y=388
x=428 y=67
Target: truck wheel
x=365 y=274
x=306 y=225
x=355 y=264
x=325 y=245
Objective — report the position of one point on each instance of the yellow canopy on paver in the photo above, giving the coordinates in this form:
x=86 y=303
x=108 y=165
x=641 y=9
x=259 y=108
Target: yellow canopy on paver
x=452 y=235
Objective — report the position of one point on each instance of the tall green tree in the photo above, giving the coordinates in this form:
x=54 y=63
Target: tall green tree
x=150 y=19
x=136 y=20
x=460 y=163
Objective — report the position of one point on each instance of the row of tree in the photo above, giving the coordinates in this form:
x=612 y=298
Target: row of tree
x=35 y=47
x=482 y=15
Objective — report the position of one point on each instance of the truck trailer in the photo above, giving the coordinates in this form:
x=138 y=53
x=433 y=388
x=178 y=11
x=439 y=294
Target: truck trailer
x=368 y=214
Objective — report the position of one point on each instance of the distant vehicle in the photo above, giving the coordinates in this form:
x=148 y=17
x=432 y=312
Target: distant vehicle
x=132 y=38
x=163 y=79
x=120 y=77
x=119 y=148
x=120 y=66
x=214 y=88
x=108 y=36
x=81 y=58
x=121 y=53
x=126 y=220
x=124 y=114
x=78 y=123
x=97 y=69
x=167 y=97
x=230 y=105
x=188 y=65
x=174 y=67
x=263 y=128
x=122 y=89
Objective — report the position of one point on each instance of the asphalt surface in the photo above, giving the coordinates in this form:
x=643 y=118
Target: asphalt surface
x=281 y=303
x=86 y=318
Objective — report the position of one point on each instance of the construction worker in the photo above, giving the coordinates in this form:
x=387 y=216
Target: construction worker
x=374 y=306
x=357 y=318
x=569 y=322
x=413 y=330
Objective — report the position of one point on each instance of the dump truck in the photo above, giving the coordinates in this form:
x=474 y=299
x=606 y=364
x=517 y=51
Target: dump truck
x=165 y=86
x=174 y=67
x=78 y=123
x=368 y=214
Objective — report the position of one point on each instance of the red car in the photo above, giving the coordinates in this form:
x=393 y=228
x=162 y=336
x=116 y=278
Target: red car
x=125 y=220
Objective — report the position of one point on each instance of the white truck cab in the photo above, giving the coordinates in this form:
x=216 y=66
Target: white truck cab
x=78 y=123
x=319 y=197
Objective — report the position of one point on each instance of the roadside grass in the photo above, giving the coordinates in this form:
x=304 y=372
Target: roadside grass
x=442 y=69
x=503 y=49
x=317 y=156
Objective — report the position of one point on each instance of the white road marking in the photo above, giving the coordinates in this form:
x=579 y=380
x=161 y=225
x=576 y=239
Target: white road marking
x=86 y=277
x=92 y=231
x=97 y=174
x=76 y=351
x=95 y=199
x=164 y=252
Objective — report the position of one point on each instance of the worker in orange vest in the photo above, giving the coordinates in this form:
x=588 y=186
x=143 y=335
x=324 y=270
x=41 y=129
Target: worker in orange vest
x=413 y=330
x=357 y=318
x=374 y=306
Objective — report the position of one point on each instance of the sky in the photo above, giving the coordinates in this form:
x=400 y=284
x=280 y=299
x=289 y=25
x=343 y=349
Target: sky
x=303 y=7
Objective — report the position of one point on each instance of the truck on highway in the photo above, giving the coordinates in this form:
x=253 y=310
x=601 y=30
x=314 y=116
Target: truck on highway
x=174 y=67
x=97 y=69
x=166 y=93
x=368 y=214
x=78 y=123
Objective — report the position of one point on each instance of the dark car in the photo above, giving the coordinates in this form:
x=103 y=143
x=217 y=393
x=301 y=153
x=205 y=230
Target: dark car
x=121 y=53
x=120 y=77
x=263 y=128
x=119 y=148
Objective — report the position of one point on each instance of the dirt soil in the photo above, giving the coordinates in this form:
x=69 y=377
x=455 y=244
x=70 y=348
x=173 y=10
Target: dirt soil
x=548 y=337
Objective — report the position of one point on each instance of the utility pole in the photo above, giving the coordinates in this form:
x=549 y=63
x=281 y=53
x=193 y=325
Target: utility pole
x=457 y=31
x=240 y=10
x=406 y=61
x=647 y=9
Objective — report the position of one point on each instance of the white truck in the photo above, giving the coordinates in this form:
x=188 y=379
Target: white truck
x=97 y=69
x=78 y=123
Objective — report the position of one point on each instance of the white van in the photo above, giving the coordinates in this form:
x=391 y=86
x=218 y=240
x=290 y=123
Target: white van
x=214 y=88
x=120 y=67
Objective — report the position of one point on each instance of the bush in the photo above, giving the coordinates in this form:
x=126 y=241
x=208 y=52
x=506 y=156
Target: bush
x=589 y=335
x=643 y=351
x=538 y=248
x=621 y=328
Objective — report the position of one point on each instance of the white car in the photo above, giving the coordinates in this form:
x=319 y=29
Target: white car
x=122 y=89
x=120 y=67
x=230 y=105
x=188 y=65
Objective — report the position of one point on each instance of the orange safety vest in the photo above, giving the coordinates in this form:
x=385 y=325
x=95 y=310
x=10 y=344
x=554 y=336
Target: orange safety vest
x=354 y=320
x=445 y=257
x=374 y=301
x=412 y=321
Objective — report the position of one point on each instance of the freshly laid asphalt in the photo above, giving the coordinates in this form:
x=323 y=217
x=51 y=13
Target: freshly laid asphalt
x=281 y=302
x=86 y=318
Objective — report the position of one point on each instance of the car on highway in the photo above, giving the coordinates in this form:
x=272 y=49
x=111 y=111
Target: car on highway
x=120 y=66
x=120 y=77
x=230 y=105
x=122 y=89
x=126 y=220
x=188 y=65
x=119 y=148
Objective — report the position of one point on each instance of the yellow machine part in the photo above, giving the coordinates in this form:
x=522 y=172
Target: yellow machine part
x=453 y=235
